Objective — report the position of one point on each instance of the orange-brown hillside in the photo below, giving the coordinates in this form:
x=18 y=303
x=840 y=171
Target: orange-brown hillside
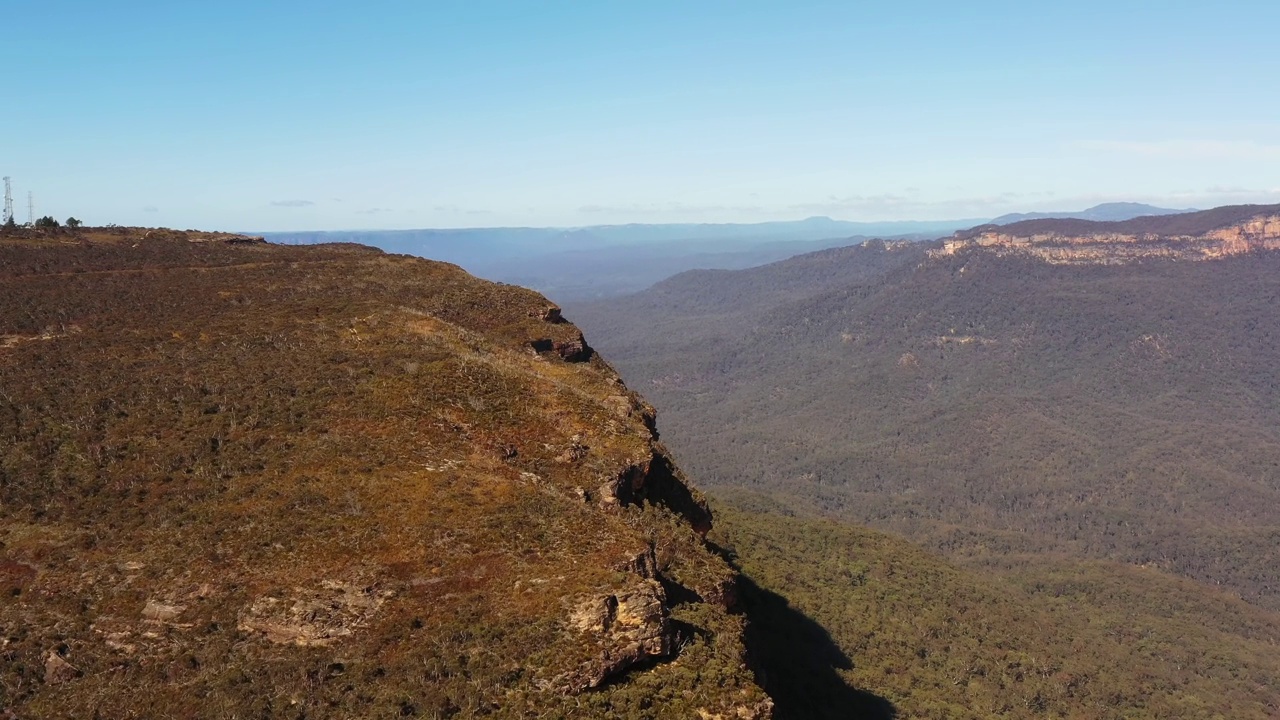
x=247 y=480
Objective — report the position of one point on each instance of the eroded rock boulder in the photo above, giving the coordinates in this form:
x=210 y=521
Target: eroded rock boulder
x=628 y=627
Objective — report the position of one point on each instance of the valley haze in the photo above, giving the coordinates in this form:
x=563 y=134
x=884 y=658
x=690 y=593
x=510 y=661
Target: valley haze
x=570 y=264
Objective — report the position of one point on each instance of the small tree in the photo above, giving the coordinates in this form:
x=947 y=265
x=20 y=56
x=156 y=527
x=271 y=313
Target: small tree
x=47 y=223
x=10 y=224
x=73 y=223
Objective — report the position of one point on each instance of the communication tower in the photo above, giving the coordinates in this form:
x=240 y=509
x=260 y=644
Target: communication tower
x=31 y=210
x=8 y=202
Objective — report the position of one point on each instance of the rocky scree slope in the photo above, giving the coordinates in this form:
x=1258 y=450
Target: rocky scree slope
x=239 y=479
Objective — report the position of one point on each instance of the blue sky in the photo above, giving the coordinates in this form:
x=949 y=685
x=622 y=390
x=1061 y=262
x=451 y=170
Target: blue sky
x=315 y=115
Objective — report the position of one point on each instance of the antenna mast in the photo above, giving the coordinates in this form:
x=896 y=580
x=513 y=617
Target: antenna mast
x=31 y=210
x=8 y=202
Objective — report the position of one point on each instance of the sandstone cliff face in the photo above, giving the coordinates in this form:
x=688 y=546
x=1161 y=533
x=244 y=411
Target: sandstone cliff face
x=238 y=479
x=1259 y=233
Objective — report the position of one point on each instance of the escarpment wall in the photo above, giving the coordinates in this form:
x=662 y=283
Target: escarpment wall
x=1102 y=247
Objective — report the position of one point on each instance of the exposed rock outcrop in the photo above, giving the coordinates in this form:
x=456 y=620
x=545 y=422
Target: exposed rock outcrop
x=656 y=480
x=57 y=670
x=627 y=627
x=1114 y=243
x=572 y=350
x=315 y=617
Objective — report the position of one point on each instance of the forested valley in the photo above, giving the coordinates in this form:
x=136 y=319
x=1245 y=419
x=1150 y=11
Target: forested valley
x=1094 y=449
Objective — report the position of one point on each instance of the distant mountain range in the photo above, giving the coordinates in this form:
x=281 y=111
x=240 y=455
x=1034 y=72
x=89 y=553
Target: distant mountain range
x=1106 y=212
x=463 y=245
x=608 y=260
x=570 y=264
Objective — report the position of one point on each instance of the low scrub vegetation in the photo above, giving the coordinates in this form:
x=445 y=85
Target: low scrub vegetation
x=238 y=479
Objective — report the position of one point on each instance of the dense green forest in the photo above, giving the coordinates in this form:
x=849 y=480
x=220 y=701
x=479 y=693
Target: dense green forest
x=856 y=623
x=985 y=406
x=1078 y=468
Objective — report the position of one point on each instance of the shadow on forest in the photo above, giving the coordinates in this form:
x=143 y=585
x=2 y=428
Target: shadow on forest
x=796 y=661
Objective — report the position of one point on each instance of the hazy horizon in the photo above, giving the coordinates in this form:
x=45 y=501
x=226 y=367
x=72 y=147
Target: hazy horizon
x=570 y=228
x=780 y=221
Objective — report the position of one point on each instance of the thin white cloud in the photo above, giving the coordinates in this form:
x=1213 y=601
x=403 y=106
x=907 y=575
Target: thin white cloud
x=893 y=206
x=1187 y=198
x=668 y=209
x=1187 y=149
x=458 y=210
x=292 y=203
x=1218 y=195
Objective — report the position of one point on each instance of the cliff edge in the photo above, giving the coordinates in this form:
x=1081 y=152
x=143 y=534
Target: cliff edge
x=241 y=479
x=1205 y=235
